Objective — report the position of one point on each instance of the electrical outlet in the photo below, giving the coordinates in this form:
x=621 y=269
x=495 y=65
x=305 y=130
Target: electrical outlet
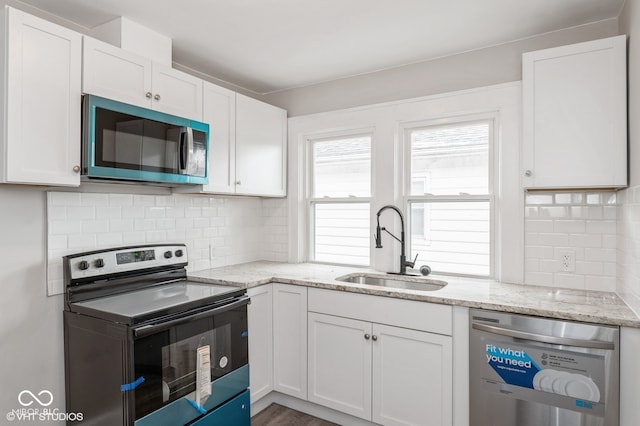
x=212 y=252
x=568 y=261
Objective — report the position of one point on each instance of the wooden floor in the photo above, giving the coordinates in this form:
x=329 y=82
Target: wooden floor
x=277 y=415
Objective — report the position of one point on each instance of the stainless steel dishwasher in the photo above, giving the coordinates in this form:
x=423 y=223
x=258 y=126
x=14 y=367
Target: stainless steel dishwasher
x=529 y=371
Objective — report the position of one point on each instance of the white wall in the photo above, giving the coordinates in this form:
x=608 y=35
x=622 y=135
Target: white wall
x=484 y=67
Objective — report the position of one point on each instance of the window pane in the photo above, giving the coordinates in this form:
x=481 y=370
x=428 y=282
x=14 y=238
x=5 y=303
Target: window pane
x=341 y=233
x=450 y=160
x=453 y=237
x=342 y=167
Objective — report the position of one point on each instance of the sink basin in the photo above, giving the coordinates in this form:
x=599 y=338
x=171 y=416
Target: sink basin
x=395 y=281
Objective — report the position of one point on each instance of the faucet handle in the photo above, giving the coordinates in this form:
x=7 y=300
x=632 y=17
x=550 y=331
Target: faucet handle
x=412 y=264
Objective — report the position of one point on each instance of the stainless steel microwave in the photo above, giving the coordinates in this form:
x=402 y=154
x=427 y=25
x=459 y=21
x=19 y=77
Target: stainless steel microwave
x=127 y=142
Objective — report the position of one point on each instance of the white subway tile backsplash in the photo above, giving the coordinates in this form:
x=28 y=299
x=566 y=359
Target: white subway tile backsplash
x=120 y=199
x=582 y=224
x=81 y=212
x=82 y=241
x=568 y=226
x=601 y=227
x=95 y=226
x=599 y=283
x=109 y=239
x=121 y=225
x=94 y=200
x=109 y=212
x=585 y=240
x=64 y=199
x=600 y=254
x=64 y=227
x=57 y=212
x=568 y=280
x=133 y=212
x=552 y=239
x=218 y=231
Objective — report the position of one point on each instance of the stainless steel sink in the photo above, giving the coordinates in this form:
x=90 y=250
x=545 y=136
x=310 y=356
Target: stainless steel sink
x=395 y=281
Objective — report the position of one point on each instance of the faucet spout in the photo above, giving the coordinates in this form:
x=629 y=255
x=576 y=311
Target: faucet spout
x=378 y=237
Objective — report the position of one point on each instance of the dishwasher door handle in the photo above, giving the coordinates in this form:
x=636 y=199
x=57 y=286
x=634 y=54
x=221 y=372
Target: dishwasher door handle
x=566 y=341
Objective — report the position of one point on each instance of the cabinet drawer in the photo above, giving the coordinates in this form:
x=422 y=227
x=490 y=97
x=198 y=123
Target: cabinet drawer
x=422 y=316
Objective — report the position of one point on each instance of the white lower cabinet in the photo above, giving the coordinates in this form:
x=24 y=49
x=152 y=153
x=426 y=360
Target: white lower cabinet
x=390 y=375
x=340 y=364
x=412 y=377
x=260 y=323
x=290 y=340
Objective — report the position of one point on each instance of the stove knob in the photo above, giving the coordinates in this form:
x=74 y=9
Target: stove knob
x=83 y=265
x=167 y=254
x=99 y=263
x=179 y=253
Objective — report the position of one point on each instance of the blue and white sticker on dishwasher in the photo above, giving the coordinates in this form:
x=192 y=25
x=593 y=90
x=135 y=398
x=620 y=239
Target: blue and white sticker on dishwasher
x=514 y=366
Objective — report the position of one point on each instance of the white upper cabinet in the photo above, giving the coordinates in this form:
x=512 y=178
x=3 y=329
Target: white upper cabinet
x=261 y=148
x=41 y=121
x=575 y=116
x=117 y=74
x=219 y=111
x=247 y=145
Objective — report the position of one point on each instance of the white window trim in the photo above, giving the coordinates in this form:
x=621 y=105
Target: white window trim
x=386 y=120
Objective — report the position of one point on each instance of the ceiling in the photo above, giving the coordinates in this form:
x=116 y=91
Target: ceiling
x=271 y=45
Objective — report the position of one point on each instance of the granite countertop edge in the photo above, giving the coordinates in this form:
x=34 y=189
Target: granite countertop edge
x=558 y=303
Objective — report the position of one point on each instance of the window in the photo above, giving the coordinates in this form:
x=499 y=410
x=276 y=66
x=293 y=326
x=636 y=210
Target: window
x=339 y=201
x=449 y=196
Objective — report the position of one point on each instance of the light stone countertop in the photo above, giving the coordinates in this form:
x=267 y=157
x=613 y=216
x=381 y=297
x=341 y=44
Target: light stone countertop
x=559 y=303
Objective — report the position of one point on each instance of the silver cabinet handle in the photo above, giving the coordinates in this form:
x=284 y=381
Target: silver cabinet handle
x=238 y=182
x=76 y=169
x=156 y=97
x=374 y=338
x=148 y=95
x=528 y=173
x=367 y=337
x=566 y=341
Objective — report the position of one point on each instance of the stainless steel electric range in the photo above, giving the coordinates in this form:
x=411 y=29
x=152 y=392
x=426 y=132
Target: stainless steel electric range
x=146 y=346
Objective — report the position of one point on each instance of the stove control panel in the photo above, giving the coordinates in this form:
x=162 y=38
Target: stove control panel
x=124 y=259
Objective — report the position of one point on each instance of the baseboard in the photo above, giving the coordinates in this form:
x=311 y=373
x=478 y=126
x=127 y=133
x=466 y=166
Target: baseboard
x=308 y=408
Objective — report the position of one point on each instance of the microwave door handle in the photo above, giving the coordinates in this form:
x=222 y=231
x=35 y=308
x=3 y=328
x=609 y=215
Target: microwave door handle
x=147 y=330
x=186 y=150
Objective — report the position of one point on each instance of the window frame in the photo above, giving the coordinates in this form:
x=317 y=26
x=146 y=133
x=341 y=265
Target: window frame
x=311 y=200
x=406 y=129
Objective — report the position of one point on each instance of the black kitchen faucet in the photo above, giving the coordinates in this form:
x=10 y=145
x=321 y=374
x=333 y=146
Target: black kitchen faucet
x=403 y=258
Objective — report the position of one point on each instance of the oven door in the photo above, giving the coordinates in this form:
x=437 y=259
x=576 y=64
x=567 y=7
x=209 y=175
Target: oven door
x=165 y=357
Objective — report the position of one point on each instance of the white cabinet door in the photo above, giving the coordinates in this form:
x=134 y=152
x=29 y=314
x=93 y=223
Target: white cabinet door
x=114 y=73
x=42 y=83
x=574 y=116
x=219 y=111
x=412 y=377
x=260 y=323
x=176 y=92
x=290 y=340
x=260 y=148
x=340 y=364
x=118 y=74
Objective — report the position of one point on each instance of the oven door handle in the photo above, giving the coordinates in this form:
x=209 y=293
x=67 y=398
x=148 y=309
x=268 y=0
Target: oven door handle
x=565 y=341
x=149 y=329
